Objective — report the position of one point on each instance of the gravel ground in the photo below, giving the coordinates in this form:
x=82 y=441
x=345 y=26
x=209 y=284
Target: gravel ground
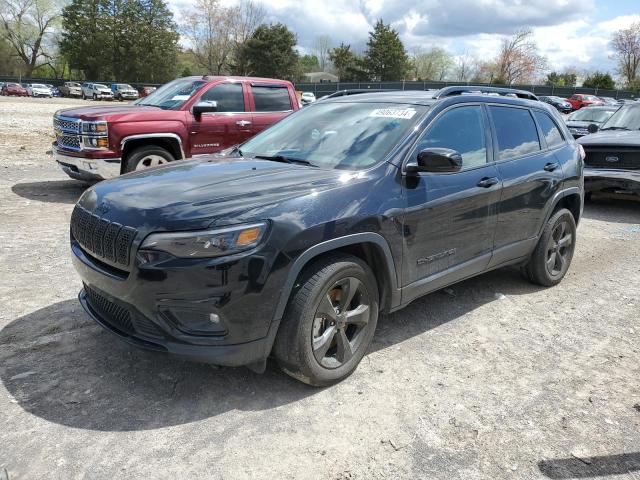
x=491 y=379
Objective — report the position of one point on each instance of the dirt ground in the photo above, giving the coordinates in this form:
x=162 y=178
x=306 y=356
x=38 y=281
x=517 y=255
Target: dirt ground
x=491 y=379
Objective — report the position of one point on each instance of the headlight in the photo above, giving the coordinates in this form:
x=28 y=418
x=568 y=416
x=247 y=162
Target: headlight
x=94 y=127
x=210 y=243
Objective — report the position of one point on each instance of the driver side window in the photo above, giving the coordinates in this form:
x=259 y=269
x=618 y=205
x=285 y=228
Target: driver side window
x=229 y=97
x=461 y=129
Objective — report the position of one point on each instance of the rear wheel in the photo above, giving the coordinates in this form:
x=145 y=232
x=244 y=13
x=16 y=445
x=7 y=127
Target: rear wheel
x=329 y=322
x=147 y=157
x=552 y=256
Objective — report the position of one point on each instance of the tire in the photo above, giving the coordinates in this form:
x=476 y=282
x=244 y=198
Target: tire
x=552 y=256
x=119 y=98
x=84 y=97
x=320 y=292
x=150 y=156
x=95 y=98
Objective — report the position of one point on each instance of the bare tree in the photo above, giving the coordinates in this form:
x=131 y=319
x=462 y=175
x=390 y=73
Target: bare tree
x=246 y=17
x=26 y=25
x=209 y=27
x=321 y=49
x=626 y=43
x=434 y=64
x=466 y=66
x=519 y=60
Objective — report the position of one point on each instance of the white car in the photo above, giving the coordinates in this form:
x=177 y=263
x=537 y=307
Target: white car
x=307 y=97
x=96 y=91
x=38 y=90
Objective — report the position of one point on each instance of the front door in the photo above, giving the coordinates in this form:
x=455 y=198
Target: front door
x=229 y=125
x=450 y=219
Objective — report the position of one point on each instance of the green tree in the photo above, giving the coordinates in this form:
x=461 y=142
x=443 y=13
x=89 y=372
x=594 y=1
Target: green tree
x=348 y=66
x=270 y=52
x=308 y=63
x=126 y=40
x=599 y=80
x=386 y=58
x=566 y=79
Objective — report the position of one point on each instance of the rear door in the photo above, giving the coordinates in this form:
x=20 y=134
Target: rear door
x=271 y=102
x=228 y=126
x=531 y=174
x=450 y=218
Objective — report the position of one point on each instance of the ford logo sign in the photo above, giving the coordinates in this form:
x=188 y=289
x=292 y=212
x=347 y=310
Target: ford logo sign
x=612 y=159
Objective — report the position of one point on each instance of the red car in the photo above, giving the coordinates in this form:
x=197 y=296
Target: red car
x=579 y=100
x=186 y=117
x=16 y=89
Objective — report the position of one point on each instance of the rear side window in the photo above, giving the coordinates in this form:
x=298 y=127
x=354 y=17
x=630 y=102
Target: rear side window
x=271 y=99
x=549 y=129
x=229 y=97
x=516 y=132
x=460 y=129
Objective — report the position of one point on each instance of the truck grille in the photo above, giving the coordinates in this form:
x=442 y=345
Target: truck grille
x=71 y=126
x=627 y=159
x=71 y=142
x=102 y=238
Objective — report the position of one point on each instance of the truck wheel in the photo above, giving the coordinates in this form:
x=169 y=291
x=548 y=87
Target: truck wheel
x=146 y=157
x=552 y=256
x=329 y=322
x=84 y=97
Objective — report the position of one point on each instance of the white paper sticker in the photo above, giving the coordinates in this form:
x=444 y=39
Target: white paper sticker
x=403 y=113
x=180 y=98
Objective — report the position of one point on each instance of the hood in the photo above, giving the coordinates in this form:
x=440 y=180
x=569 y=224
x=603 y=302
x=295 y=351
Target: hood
x=195 y=194
x=616 y=138
x=109 y=112
x=580 y=123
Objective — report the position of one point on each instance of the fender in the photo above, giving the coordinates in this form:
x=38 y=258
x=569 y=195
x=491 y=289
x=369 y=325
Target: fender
x=172 y=136
x=556 y=198
x=303 y=259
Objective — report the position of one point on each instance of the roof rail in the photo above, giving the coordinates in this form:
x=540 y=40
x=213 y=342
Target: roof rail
x=471 y=89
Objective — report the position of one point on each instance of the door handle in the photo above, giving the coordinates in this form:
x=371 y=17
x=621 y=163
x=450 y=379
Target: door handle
x=243 y=123
x=487 y=182
x=550 y=167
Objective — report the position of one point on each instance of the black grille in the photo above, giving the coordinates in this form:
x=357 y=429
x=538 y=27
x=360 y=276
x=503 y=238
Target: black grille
x=623 y=159
x=117 y=316
x=101 y=238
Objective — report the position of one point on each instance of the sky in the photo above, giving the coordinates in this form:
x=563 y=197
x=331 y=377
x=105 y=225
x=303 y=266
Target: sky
x=570 y=33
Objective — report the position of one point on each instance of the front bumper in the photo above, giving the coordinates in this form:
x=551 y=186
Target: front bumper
x=598 y=179
x=87 y=169
x=161 y=306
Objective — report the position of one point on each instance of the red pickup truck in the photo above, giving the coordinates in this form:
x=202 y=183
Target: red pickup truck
x=579 y=100
x=186 y=117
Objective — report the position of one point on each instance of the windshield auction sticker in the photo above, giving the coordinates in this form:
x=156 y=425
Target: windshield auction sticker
x=403 y=113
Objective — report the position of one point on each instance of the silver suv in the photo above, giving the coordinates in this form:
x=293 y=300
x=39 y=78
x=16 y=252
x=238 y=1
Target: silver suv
x=96 y=91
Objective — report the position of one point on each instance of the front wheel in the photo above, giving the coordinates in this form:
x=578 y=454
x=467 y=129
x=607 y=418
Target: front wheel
x=329 y=322
x=552 y=256
x=146 y=157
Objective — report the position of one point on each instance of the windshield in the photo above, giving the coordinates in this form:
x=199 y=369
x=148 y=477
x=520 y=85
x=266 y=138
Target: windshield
x=173 y=95
x=124 y=86
x=349 y=136
x=99 y=85
x=627 y=118
x=73 y=84
x=37 y=85
x=591 y=115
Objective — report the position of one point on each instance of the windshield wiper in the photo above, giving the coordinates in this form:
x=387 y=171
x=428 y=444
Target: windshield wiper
x=615 y=128
x=283 y=159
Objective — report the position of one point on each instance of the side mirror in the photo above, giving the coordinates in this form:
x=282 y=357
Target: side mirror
x=438 y=160
x=593 y=128
x=204 y=107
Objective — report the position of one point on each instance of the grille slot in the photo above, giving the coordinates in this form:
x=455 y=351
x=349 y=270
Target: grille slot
x=68 y=141
x=66 y=125
x=101 y=238
x=117 y=316
x=628 y=160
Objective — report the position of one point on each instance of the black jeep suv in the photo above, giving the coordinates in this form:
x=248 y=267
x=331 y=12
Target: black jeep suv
x=293 y=243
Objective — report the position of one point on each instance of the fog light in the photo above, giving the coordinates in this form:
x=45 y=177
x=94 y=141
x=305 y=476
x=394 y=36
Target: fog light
x=214 y=318
x=194 y=322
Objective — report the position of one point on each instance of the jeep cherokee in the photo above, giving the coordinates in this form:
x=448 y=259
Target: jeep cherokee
x=292 y=243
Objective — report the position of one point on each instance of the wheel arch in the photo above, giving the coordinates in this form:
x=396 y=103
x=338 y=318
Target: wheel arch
x=169 y=141
x=370 y=247
x=570 y=198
